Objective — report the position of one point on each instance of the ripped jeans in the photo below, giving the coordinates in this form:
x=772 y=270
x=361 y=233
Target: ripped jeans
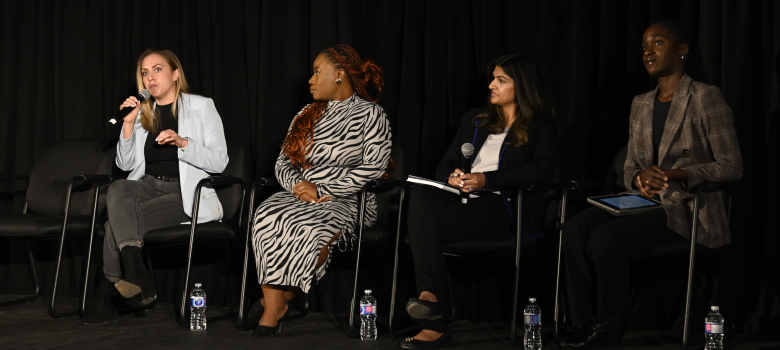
x=135 y=208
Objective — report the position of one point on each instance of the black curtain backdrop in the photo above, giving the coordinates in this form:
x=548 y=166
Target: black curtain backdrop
x=67 y=65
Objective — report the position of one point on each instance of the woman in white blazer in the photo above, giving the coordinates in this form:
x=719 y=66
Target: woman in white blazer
x=168 y=145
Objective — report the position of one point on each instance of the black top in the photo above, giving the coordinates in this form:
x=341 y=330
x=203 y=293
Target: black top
x=660 y=112
x=162 y=159
x=536 y=161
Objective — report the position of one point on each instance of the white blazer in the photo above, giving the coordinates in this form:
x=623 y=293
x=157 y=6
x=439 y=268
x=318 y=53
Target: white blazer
x=206 y=153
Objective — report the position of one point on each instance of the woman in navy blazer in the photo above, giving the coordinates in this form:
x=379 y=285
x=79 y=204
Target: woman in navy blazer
x=168 y=145
x=515 y=142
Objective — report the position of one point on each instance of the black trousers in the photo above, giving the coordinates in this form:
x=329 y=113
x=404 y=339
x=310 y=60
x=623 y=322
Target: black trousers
x=598 y=250
x=437 y=217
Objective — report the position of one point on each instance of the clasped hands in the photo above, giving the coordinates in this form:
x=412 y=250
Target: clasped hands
x=307 y=192
x=466 y=182
x=651 y=182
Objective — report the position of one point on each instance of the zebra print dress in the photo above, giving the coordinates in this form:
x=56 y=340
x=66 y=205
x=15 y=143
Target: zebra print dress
x=351 y=147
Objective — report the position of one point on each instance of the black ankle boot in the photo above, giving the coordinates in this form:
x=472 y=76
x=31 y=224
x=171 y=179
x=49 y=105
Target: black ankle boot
x=587 y=338
x=136 y=277
x=101 y=310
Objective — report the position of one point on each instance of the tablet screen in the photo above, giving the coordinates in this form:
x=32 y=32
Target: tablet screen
x=628 y=201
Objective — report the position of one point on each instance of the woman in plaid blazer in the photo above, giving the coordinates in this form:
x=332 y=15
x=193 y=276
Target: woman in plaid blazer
x=680 y=135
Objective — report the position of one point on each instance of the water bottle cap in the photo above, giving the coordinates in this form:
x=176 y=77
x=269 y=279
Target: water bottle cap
x=367 y=291
x=533 y=300
x=715 y=308
x=197 y=285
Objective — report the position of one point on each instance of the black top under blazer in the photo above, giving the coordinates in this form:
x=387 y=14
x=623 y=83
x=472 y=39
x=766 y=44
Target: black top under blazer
x=536 y=161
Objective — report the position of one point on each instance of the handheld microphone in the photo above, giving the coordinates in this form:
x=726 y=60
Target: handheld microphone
x=467 y=149
x=142 y=96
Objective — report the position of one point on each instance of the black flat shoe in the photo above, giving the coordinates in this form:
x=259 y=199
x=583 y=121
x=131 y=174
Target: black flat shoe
x=411 y=343
x=101 y=310
x=424 y=310
x=265 y=331
x=586 y=339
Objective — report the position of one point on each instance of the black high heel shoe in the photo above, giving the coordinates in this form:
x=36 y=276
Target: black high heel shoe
x=265 y=331
x=597 y=333
x=101 y=311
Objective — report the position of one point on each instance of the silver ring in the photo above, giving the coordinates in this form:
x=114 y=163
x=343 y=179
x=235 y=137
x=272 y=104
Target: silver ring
x=646 y=181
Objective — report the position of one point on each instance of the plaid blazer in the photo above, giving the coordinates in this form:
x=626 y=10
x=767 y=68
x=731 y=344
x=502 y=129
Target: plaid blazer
x=699 y=137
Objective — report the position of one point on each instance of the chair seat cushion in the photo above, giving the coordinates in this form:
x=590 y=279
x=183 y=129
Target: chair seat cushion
x=481 y=247
x=39 y=227
x=680 y=250
x=205 y=232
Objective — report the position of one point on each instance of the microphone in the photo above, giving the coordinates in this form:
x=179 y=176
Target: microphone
x=467 y=149
x=142 y=96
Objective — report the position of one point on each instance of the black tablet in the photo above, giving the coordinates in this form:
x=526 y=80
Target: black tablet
x=624 y=204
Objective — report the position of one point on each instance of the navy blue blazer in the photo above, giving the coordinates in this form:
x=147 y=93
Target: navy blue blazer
x=536 y=161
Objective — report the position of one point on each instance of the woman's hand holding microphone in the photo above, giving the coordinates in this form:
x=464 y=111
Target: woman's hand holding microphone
x=166 y=137
x=466 y=182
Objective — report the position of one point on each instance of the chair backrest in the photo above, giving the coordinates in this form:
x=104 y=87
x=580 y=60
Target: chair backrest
x=238 y=166
x=615 y=178
x=57 y=165
x=384 y=199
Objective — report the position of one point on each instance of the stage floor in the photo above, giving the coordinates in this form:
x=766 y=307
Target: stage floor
x=28 y=326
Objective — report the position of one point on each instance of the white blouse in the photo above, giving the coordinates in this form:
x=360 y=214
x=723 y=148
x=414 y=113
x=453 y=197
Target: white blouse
x=488 y=157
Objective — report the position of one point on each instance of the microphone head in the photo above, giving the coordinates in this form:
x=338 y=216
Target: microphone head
x=144 y=95
x=467 y=149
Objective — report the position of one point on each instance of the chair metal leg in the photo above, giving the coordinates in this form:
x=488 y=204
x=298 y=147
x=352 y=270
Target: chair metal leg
x=561 y=219
x=452 y=297
x=395 y=261
x=89 y=250
x=513 y=331
x=52 y=308
x=694 y=227
x=357 y=260
x=241 y=319
x=34 y=274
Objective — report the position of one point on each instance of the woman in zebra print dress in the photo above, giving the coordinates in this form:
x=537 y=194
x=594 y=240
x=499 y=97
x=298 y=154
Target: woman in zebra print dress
x=333 y=147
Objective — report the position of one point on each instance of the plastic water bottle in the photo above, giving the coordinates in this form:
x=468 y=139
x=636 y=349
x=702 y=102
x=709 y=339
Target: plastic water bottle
x=713 y=330
x=368 y=316
x=198 y=309
x=532 y=317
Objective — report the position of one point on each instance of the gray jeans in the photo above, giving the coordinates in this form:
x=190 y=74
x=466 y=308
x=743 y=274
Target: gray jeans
x=135 y=208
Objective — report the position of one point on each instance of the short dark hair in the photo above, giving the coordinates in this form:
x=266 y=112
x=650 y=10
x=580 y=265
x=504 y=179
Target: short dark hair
x=693 y=64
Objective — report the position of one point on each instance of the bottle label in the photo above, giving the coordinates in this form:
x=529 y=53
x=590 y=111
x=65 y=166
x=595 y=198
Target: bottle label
x=368 y=309
x=713 y=328
x=198 y=301
x=532 y=319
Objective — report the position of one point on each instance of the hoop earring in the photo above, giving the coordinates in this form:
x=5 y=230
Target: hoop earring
x=338 y=81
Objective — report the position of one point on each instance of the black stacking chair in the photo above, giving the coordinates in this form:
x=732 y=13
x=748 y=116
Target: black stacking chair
x=230 y=187
x=385 y=189
x=62 y=201
x=479 y=248
x=681 y=251
x=691 y=250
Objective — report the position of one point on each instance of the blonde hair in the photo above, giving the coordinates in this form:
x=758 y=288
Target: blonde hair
x=150 y=118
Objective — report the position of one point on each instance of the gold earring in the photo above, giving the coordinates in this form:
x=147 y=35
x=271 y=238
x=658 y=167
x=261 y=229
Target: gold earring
x=338 y=81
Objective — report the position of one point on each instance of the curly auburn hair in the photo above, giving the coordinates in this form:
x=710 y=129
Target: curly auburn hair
x=360 y=74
